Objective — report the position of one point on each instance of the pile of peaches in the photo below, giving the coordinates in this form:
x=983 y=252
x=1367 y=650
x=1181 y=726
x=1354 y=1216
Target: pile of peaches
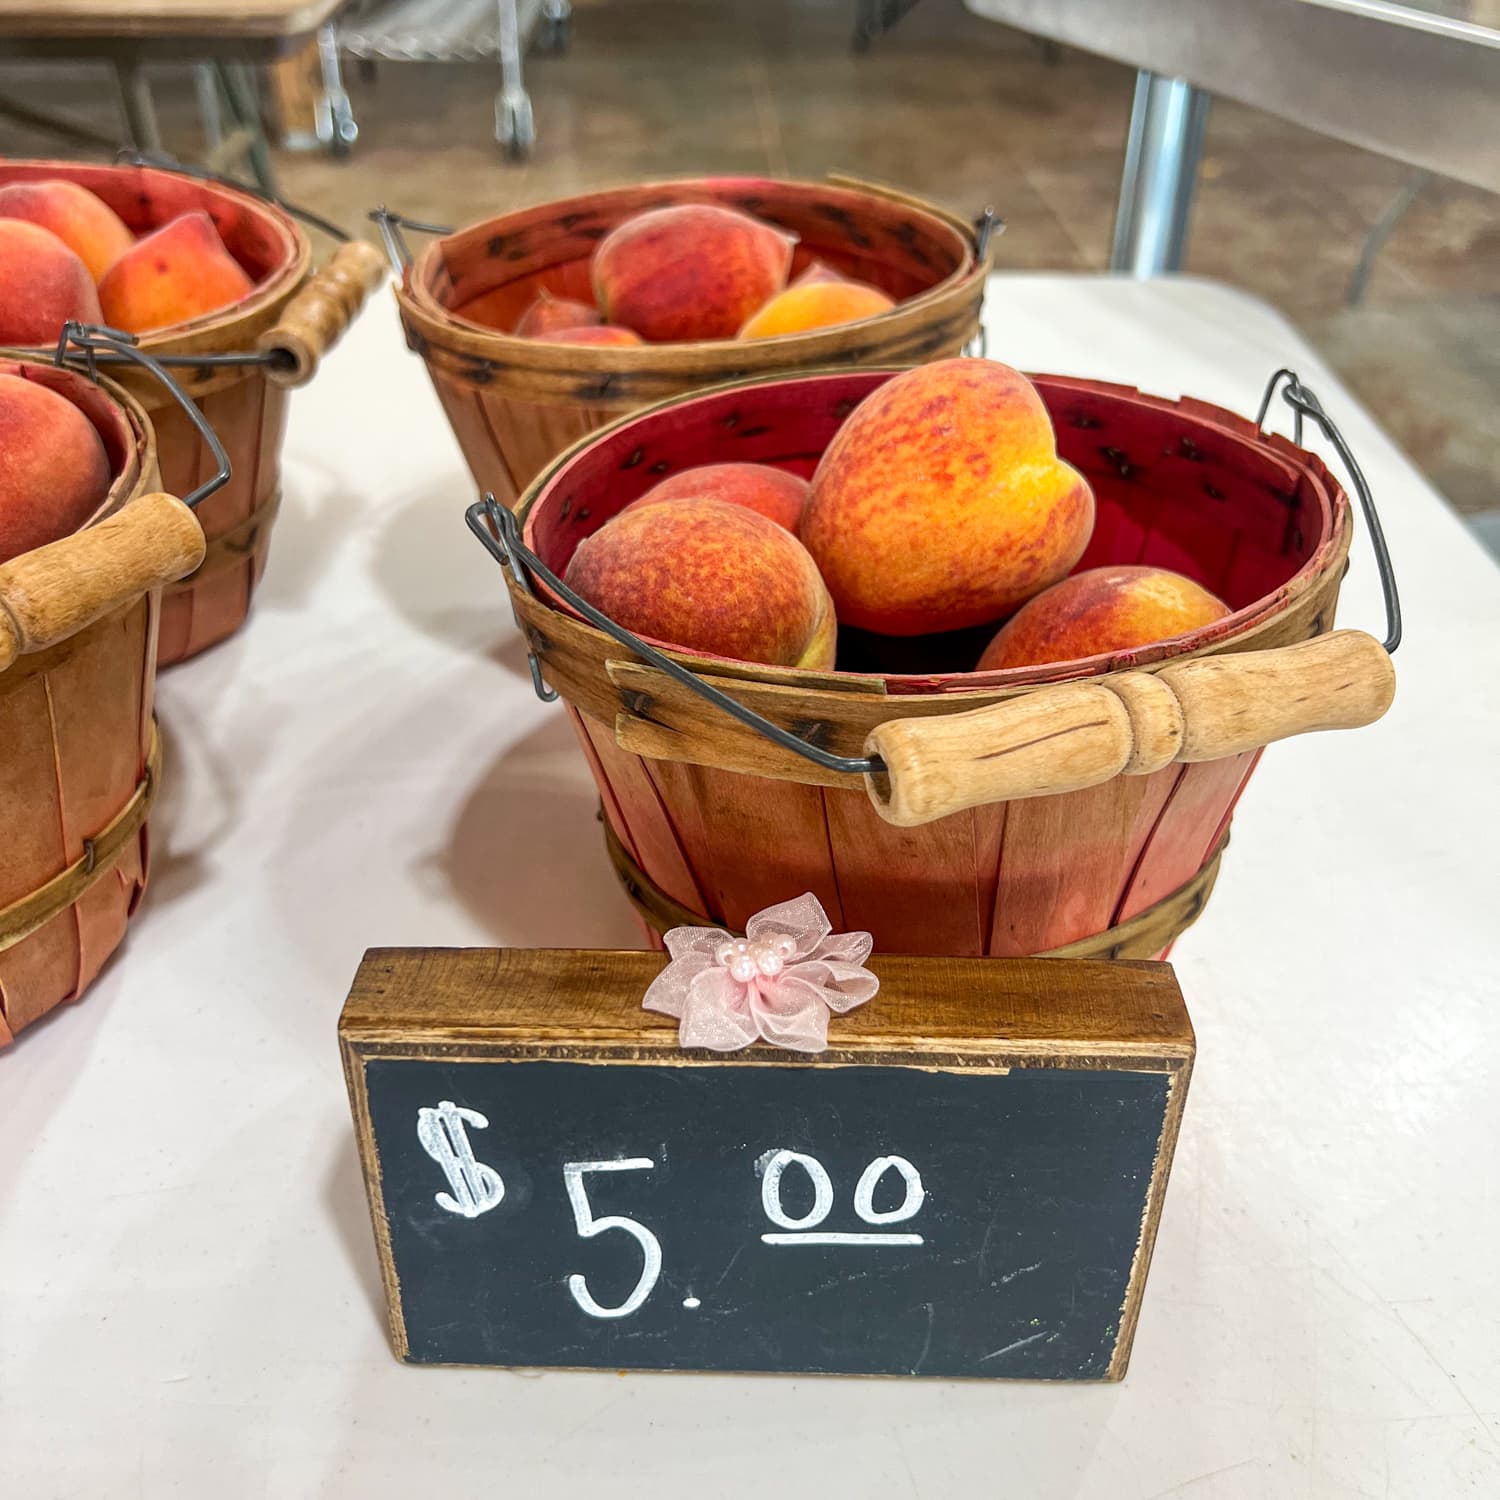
x=66 y=255
x=698 y=271
x=940 y=505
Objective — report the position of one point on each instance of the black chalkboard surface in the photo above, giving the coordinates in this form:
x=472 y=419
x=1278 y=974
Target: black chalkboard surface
x=554 y=1183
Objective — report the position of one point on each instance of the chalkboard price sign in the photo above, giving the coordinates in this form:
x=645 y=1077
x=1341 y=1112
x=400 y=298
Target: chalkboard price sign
x=966 y=1183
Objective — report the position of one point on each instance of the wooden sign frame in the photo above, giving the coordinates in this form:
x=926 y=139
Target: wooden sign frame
x=959 y=1015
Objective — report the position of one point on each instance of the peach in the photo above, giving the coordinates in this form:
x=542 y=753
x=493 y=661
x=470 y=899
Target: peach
x=42 y=285
x=772 y=492
x=178 y=272
x=547 y=314
x=54 y=473
x=85 y=223
x=704 y=575
x=816 y=271
x=694 y=271
x=941 y=502
x=816 y=304
x=1100 y=611
x=604 y=334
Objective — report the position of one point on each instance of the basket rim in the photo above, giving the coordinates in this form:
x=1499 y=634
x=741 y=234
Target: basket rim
x=228 y=329
x=439 y=324
x=1329 y=554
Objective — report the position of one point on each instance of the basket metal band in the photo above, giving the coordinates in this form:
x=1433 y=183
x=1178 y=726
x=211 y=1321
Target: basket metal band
x=1141 y=936
x=100 y=854
x=230 y=547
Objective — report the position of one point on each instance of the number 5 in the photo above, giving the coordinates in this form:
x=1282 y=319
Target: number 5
x=589 y=1226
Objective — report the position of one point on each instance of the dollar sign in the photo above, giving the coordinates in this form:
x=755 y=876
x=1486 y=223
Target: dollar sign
x=476 y=1187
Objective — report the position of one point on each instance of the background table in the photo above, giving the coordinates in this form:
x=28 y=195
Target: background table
x=189 y=1302
x=228 y=37
x=1418 y=80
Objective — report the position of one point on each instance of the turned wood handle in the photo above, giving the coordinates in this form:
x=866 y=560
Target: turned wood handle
x=315 y=319
x=54 y=591
x=1065 y=736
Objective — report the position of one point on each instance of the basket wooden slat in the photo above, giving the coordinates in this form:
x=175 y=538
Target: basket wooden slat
x=721 y=823
x=1148 y=934
x=515 y=403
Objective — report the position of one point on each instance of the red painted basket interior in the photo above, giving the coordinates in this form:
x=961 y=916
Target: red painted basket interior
x=492 y=272
x=1180 y=485
x=145 y=199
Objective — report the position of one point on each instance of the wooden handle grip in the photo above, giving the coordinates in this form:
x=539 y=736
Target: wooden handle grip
x=1343 y=680
x=1066 y=736
x=315 y=319
x=51 y=593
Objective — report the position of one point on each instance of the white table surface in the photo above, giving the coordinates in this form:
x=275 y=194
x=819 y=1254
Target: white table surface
x=189 y=1302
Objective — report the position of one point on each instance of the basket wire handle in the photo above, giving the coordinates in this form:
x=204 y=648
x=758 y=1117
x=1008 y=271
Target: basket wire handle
x=497 y=528
x=390 y=225
x=1130 y=722
x=91 y=339
x=1304 y=403
x=131 y=156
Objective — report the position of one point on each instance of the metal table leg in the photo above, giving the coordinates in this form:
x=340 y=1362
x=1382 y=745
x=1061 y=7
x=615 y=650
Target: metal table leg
x=135 y=99
x=1161 y=171
x=337 y=127
x=1379 y=233
x=514 y=128
x=238 y=83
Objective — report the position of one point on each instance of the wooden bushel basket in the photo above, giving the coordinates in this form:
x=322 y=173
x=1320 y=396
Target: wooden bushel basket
x=293 y=313
x=1076 y=809
x=79 y=758
x=515 y=403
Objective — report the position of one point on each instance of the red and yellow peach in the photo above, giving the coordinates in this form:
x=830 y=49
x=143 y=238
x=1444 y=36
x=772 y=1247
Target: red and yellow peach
x=1100 y=611
x=704 y=575
x=84 y=222
x=43 y=285
x=178 y=272
x=548 y=314
x=54 y=473
x=941 y=502
x=773 y=493
x=692 y=271
x=816 y=304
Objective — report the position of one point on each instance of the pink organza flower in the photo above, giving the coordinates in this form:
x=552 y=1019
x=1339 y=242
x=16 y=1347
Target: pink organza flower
x=779 y=982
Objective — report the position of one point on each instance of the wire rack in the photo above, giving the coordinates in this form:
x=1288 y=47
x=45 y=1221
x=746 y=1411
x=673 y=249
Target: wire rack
x=463 y=31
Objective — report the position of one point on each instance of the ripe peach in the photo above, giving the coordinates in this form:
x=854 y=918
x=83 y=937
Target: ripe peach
x=818 y=271
x=548 y=314
x=54 y=473
x=178 y=272
x=694 y=271
x=941 y=502
x=704 y=575
x=1100 y=611
x=600 y=333
x=773 y=492
x=42 y=285
x=817 y=304
x=85 y=223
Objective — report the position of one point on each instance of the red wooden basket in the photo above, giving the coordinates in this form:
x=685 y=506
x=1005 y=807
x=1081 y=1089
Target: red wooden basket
x=967 y=833
x=236 y=364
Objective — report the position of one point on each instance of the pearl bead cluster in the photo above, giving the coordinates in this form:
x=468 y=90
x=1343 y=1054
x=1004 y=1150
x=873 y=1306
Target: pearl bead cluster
x=762 y=958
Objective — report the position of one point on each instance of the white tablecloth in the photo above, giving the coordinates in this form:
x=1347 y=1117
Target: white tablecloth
x=189 y=1302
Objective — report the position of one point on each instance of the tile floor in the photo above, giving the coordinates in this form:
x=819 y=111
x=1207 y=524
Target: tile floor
x=966 y=112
